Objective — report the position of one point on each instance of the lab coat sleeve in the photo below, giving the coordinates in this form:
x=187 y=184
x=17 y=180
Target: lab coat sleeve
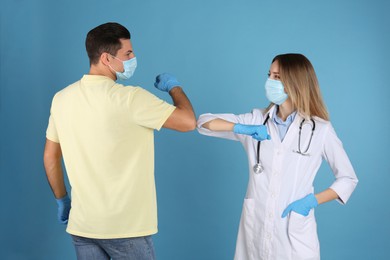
x=341 y=166
x=248 y=118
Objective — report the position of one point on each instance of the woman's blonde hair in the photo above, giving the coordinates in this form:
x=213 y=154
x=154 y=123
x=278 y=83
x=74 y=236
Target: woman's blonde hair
x=301 y=85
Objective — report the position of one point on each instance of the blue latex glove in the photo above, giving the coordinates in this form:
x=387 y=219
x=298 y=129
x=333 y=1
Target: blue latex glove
x=258 y=132
x=302 y=206
x=166 y=82
x=63 y=208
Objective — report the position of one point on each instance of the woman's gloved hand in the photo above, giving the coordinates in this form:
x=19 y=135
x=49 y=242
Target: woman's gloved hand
x=302 y=206
x=258 y=132
x=63 y=208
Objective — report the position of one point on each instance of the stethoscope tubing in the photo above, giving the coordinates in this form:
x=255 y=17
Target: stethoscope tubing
x=258 y=166
x=259 y=142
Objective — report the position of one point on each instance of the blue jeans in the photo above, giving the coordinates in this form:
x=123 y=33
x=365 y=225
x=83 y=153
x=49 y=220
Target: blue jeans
x=135 y=248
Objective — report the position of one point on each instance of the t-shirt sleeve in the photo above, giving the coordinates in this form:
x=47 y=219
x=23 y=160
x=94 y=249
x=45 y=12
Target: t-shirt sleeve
x=51 y=132
x=149 y=110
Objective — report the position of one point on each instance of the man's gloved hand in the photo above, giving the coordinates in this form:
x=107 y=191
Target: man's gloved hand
x=302 y=206
x=258 y=132
x=63 y=209
x=166 y=82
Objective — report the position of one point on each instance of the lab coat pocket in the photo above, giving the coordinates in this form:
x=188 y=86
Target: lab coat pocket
x=302 y=232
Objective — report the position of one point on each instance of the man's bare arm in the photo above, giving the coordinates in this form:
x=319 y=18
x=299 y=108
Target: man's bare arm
x=53 y=167
x=183 y=117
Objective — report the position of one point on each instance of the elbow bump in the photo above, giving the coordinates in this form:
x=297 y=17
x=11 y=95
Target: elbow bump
x=192 y=125
x=188 y=126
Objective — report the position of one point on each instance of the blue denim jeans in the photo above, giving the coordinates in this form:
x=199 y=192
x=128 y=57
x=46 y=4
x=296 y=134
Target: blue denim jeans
x=135 y=248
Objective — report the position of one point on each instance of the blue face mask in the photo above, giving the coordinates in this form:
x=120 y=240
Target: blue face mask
x=274 y=90
x=129 y=67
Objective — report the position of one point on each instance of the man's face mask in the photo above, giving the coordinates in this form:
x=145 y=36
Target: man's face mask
x=129 y=67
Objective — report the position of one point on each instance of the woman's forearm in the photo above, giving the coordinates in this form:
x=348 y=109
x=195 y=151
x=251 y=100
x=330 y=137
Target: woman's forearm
x=326 y=195
x=219 y=125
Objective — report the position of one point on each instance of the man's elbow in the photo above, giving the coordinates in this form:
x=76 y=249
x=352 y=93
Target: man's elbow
x=192 y=125
x=188 y=125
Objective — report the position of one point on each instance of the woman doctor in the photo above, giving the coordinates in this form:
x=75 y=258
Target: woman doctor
x=285 y=143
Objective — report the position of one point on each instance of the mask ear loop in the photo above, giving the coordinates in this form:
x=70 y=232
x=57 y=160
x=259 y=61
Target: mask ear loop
x=109 y=65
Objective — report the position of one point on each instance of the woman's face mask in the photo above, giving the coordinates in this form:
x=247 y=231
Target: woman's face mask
x=274 y=90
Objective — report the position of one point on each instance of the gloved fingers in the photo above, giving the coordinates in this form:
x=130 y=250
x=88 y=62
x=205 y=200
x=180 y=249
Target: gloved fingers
x=63 y=217
x=286 y=211
x=298 y=210
x=257 y=137
x=63 y=220
x=304 y=213
x=157 y=81
x=260 y=137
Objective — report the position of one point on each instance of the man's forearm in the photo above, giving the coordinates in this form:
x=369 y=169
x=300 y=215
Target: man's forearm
x=184 y=114
x=55 y=178
x=181 y=101
x=53 y=167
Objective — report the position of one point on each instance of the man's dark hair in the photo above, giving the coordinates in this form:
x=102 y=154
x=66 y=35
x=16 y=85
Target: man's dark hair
x=105 y=38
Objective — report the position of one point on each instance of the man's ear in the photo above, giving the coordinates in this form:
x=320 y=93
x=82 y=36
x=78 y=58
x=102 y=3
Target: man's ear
x=104 y=58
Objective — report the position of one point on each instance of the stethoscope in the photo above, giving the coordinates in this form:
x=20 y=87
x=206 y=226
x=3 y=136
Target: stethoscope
x=258 y=168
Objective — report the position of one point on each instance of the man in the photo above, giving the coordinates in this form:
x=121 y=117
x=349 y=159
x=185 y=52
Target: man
x=104 y=133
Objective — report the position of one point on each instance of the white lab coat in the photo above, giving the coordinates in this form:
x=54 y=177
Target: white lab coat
x=287 y=176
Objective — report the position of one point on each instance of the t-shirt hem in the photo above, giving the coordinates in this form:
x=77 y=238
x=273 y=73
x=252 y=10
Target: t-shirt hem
x=52 y=139
x=112 y=236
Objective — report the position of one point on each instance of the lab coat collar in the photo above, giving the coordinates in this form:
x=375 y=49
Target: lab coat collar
x=272 y=113
x=291 y=132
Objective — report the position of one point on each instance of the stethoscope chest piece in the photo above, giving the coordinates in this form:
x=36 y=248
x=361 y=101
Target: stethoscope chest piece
x=258 y=168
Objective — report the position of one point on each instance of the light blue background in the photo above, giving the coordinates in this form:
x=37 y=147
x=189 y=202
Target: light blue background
x=221 y=51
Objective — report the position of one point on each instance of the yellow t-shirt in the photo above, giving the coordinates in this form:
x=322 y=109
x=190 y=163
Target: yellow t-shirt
x=106 y=135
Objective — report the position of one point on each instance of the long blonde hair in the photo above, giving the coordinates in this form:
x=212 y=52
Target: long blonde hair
x=301 y=85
